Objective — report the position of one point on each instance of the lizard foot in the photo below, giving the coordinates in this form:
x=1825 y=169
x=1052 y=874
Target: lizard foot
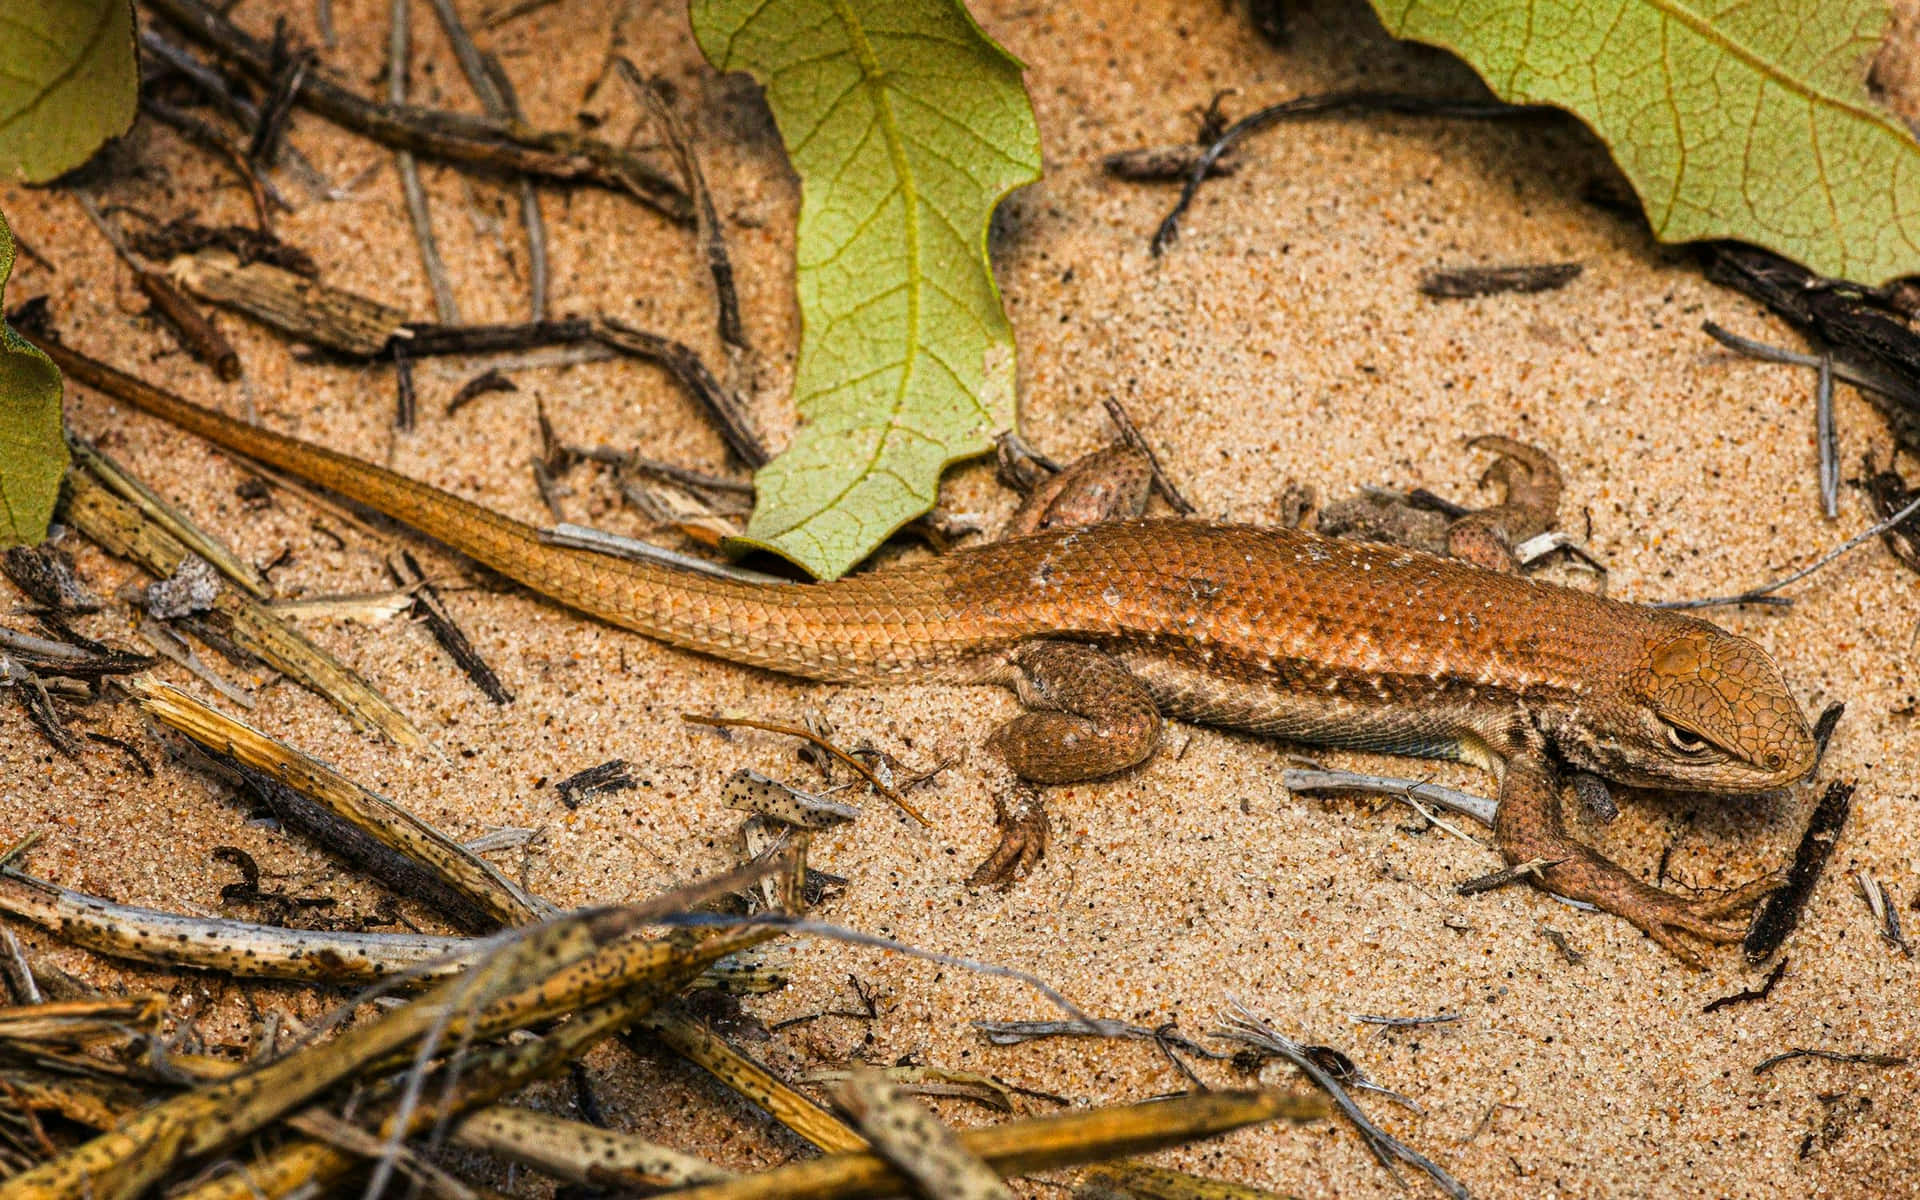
x=1024 y=833
x=1529 y=829
x=1667 y=918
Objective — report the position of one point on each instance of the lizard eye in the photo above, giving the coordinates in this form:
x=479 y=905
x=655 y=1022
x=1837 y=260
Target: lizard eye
x=1686 y=741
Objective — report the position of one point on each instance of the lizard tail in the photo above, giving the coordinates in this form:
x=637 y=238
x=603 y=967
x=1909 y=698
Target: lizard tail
x=819 y=631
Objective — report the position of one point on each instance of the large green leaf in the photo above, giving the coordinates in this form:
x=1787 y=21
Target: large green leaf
x=33 y=455
x=907 y=124
x=67 y=82
x=1742 y=120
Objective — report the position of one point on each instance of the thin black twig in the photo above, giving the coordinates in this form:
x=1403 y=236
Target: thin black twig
x=244 y=112
x=1869 y=1060
x=399 y=53
x=699 y=481
x=557 y=155
x=1162 y=482
x=25 y=247
x=430 y=609
x=1331 y=103
x=1749 y=995
x=713 y=244
x=723 y=408
x=490 y=380
x=38 y=706
x=1828 y=438
x=283 y=92
x=125 y=747
x=1761 y=593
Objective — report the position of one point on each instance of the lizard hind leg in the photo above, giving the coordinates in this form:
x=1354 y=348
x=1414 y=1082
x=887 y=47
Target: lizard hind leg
x=1108 y=484
x=1533 y=484
x=1087 y=717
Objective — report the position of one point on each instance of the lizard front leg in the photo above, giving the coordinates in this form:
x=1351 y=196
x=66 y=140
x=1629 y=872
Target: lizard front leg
x=1529 y=828
x=1088 y=717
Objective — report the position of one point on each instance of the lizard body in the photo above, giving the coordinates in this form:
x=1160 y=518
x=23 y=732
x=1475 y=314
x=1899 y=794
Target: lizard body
x=1105 y=628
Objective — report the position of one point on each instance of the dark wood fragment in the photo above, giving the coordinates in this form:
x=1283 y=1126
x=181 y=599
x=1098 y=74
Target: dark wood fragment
x=1888 y=493
x=1780 y=911
x=581 y=786
x=428 y=607
x=490 y=380
x=196 y=330
x=46 y=574
x=1164 y=164
x=429 y=340
x=164 y=242
x=1460 y=282
x=1852 y=319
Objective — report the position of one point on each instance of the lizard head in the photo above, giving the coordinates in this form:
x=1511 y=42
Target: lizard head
x=1703 y=709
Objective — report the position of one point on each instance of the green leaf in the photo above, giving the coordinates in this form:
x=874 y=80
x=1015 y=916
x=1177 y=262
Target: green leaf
x=907 y=124
x=1748 y=121
x=33 y=455
x=67 y=82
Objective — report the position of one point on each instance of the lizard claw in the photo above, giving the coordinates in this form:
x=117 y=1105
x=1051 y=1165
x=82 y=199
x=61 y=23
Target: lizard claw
x=1665 y=916
x=1024 y=833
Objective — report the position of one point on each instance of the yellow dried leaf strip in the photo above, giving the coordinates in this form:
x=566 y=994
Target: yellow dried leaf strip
x=707 y=1049
x=581 y=1153
x=1163 y=1183
x=215 y=944
x=77 y=1021
x=124 y=1162
x=928 y=1153
x=473 y=878
x=1039 y=1144
x=934 y=1081
x=481 y=1077
x=121 y=529
x=169 y=518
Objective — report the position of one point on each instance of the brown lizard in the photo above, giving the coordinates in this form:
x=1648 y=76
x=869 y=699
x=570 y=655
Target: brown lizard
x=1103 y=630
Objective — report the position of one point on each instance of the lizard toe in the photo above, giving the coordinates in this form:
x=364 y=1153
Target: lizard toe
x=1024 y=833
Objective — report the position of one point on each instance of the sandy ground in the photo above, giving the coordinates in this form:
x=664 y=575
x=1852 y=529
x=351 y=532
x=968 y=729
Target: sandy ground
x=1281 y=340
